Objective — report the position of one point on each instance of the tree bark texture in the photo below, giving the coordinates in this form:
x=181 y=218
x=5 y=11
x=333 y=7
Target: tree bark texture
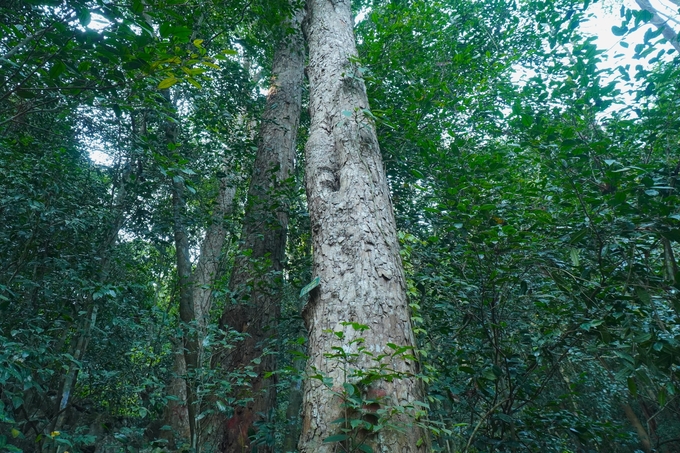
x=198 y=294
x=186 y=302
x=183 y=409
x=256 y=278
x=356 y=251
x=208 y=266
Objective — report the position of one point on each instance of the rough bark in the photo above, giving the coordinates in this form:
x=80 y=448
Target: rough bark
x=176 y=412
x=202 y=280
x=186 y=302
x=256 y=276
x=183 y=410
x=208 y=267
x=356 y=251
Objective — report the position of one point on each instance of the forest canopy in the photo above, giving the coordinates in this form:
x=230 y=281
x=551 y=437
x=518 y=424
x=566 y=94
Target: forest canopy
x=339 y=226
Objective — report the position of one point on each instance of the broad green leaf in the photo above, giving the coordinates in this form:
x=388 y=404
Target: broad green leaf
x=167 y=83
x=57 y=69
x=619 y=31
x=336 y=438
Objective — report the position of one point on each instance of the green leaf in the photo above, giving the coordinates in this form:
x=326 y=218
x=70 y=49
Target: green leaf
x=365 y=448
x=164 y=29
x=489 y=375
x=662 y=397
x=349 y=388
x=137 y=6
x=673 y=235
x=619 y=31
x=167 y=83
x=57 y=69
x=573 y=254
x=336 y=438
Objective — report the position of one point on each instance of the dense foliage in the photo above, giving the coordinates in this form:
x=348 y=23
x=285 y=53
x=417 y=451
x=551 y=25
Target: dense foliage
x=535 y=188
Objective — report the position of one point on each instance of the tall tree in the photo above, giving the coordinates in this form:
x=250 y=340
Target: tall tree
x=256 y=278
x=356 y=258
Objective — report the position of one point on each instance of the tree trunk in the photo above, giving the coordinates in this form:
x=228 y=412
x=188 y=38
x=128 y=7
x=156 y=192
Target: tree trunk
x=639 y=429
x=356 y=257
x=176 y=414
x=208 y=267
x=256 y=278
x=186 y=303
x=183 y=410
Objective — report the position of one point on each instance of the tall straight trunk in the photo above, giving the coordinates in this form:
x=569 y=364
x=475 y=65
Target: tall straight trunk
x=208 y=267
x=256 y=278
x=639 y=429
x=198 y=293
x=189 y=341
x=356 y=256
x=183 y=410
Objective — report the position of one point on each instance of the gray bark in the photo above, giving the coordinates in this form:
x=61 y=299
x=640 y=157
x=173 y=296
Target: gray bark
x=186 y=303
x=208 y=266
x=356 y=251
x=197 y=293
x=256 y=278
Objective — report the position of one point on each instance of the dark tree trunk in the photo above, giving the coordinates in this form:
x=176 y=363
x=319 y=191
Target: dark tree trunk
x=256 y=279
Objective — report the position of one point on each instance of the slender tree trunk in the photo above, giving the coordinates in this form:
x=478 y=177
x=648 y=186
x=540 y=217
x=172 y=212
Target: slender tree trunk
x=256 y=278
x=176 y=412
x=195 y=290
x=670 y=266
x=183 y=410
x=356 y=253
x=200 y=285
x=208 y=267
x=292 y=434
x=639 y=429
x=189 y=342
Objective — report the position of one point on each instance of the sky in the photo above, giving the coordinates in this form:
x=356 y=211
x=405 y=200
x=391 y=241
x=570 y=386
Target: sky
x=607 y=15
